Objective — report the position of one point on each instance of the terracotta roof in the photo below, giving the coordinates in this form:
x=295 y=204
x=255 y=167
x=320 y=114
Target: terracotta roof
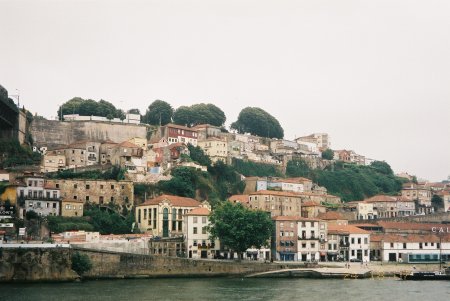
x=408 y=238
x=2 y=232
x=108 y=141
x=274 y=192
x=410 y=226
x=199 y=211
x=367 y=225
x=181 y=127
x=331 y=215
x=286 y=218
x=239 y=198
x=174 y=200
x=178 y=144
x=349 y=229
x=311 y=204
x=128 y=144
x=380 y=198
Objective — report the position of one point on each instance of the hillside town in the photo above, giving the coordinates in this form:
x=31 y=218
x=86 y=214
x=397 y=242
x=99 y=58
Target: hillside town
x=310 y=223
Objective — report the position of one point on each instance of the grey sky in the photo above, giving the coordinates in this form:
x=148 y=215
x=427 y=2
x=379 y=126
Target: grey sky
x=374 y=74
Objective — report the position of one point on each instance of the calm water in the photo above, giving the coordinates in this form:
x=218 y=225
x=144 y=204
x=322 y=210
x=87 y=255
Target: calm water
x=230 y=289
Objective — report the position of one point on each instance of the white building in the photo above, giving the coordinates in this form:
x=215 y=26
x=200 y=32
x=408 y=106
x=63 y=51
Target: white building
x=198 y=244
x=312 y=237
x=354 y=243
x=412 y=248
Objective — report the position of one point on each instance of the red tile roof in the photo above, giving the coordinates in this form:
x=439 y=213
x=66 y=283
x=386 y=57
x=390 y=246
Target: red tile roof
x=411 y=226
x=128 y=144
x=349 y=229
x=199 y=211
x=286 y=218
x=311 y=204
x=174 y=200
x=239 y=198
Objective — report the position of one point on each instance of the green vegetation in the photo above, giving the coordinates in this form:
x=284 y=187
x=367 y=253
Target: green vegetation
x=109 y=221
x=249 y=168
x=258 y=122
x=89 y=107
x=81 y=263
x=12 y=154
x=437 y=202
x=58 y=224
x=327 y=154
x=159 y=112
x=239 y=228
x=114 y=173
x=298 y=168
x=198 y=155
x=199 y=114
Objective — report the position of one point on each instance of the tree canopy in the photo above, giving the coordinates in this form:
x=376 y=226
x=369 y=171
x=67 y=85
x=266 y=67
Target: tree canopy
x=258 y=122
x=159 y=111
x=199 y=114
x=89 y=107
x=239 y=228
x=327 y=154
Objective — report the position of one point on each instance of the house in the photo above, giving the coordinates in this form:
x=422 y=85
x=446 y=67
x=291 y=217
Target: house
x=206 y=131
x=38 y=195
x=385 y=206
x=215 y=148
x=106 y=150
x=419 y=193
x=411 y=248
x=311 y=209
x=285 y=237
x=70 y=207
x=100 y=192
x=53 y=160
x=445 y=195
x=354 y=243
x=333 y=218
x=278 y=203
x=198 y=244
x=164 y=215
x=82 y=153
x=312 y=239
x=129 y=156
x=322 y=140
x=241 y=199
x=174 y=133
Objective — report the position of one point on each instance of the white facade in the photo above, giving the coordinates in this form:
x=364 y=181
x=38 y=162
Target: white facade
x=414 y=251
x=198 y=244
x=312 y=237
x=365 y=211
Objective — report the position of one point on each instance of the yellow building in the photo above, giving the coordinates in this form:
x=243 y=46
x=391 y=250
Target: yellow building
x=142 y=142
x=72 y=208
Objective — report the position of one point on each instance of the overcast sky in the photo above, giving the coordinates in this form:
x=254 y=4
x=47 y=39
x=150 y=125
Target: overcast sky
x=374 y=74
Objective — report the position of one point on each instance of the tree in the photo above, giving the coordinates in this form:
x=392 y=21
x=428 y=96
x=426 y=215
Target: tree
x=81 y=263
x=159 y=112
x=437 y=202
x=199 y=114
x=89 y=107
x=134 y=111
x=258 y=122
x=382 y=167
x=198 y=155
x=328 y=154
x=297 y=168
x=239 y=228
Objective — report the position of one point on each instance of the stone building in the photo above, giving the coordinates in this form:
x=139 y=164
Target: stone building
x=71 y=207
x=278 y=203
x=101 y=192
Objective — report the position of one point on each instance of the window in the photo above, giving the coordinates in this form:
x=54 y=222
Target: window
x=365 y=252
x=81 y=207
x=195 y=243
x=353 y=252
x=112 y=186
x=420 y=245
x=194 y=230
x=112 y=199
x=75 y=186
x=353 y=240
x=304 y=245
x=100 y=200
x=359 y=240
x=75 y=197
x=365 y=240
x=313 y=245
x=57 y=185
x=195 y=219
x=88 y=186
x=54 y=205
x=404 y=245
x=101 y=186
x=203 y=230
x=203 y=219
x=87 y=198
x=392 y=245
x=145 y=213
x=123 y=186
x=330 y=247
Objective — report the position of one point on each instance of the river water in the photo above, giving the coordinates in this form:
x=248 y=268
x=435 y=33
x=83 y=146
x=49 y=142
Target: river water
x=230 y=289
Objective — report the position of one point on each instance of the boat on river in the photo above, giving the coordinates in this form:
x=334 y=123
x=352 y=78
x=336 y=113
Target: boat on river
x=443 y=274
